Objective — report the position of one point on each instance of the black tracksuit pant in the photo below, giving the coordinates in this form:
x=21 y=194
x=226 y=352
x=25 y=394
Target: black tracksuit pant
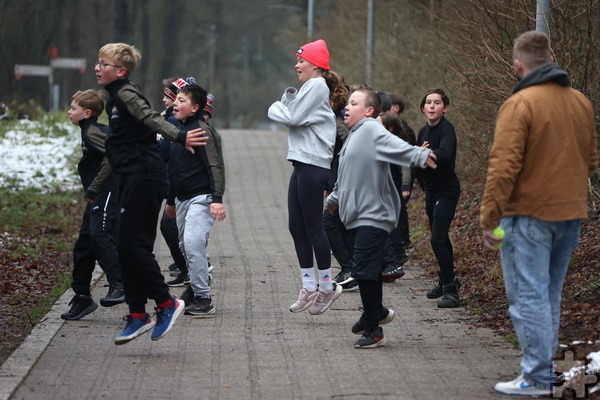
x=140 y=201
x=440 y=209
x=96 y=242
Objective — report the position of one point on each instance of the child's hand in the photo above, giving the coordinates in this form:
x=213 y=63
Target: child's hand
x=425 y=145
x=218 y=211
x=170 y=211
x=430 y=162
x=195 y=137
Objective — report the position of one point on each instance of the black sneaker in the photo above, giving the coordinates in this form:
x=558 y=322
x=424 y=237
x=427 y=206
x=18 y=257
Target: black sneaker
x=387 y=316
x=174 y=270
x=200 y=306
x=80 y=307
x=392 y=272
x=370 y=340
x=187 y=295
x=437 y=291
x=115 y=295
x=350 y=286
x=342 y=278
x=181 y=280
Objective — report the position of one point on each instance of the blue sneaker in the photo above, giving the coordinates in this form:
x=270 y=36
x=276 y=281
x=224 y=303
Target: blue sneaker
x=134 y=328
x=165 y=317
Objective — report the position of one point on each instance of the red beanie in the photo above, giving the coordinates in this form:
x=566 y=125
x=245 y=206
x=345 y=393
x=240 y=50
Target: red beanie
x=172 y=88
x=316 y=53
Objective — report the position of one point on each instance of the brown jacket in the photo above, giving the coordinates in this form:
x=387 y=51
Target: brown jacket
x=544 y=150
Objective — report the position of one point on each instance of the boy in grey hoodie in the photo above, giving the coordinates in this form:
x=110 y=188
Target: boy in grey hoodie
x=369 y=204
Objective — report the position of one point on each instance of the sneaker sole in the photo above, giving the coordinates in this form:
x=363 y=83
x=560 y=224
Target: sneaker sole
x=119 y=340
x=337 y=294
x=352 y=289
x=346 y=281
x=91 y=308
x=200 y=313
x=114 y=302
x=394 y=276
x=372 y=346
x=178 y=284
x=176 y=315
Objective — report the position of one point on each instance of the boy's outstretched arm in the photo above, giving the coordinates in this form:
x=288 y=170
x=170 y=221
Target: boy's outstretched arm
x=195 y=137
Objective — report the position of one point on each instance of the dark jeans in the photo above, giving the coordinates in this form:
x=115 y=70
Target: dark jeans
x=96 y=242
x=369 y=244
x=305 y=207
x=140 y=201
x=440 y=209
x=339 y=240
x=169 y=231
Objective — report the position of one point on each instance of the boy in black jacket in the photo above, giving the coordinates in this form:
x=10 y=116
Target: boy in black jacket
x=196 y=194
x=134 y=155
x=96 y=239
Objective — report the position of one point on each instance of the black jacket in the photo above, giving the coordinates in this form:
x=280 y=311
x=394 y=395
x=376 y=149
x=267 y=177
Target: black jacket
x=94 y=168
x=131 y=146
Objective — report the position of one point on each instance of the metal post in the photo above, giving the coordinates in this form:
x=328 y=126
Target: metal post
x=310 y=19
x=369 y=56
x=542 y=16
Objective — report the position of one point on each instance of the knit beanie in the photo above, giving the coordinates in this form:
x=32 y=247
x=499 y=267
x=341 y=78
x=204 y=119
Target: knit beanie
x=172 y=88
x=209 y=104
x=316 y=53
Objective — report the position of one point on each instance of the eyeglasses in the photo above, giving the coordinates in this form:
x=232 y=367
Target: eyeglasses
x=103 y=65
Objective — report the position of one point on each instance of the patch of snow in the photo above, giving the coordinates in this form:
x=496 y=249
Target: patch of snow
x=30 y=160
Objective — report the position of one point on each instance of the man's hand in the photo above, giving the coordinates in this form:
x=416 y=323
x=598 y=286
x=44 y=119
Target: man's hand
x=195 y=137
x=490 y=241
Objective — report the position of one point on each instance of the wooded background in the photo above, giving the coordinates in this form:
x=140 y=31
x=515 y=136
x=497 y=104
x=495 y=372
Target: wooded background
x=244 y=51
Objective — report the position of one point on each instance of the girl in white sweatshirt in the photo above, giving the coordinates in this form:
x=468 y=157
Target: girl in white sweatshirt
x=308 y=115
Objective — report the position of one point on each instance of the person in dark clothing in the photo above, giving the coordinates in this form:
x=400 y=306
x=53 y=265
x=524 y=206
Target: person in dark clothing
x=442 y=191
x=168 y=225
x=338 y=236
x=395 y=252
x=134 y=155
x=96 y=240
x=407 y=180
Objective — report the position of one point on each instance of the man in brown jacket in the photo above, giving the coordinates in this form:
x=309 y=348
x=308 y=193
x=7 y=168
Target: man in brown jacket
x=544 y=150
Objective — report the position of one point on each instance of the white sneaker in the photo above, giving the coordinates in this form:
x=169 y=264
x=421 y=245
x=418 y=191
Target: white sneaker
x=305 y=300
x=521 y=387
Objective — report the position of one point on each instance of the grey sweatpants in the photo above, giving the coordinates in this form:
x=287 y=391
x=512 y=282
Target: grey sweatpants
x=194 y=222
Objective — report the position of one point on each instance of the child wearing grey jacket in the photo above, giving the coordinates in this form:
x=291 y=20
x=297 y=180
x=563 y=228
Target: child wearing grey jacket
x=368 y=203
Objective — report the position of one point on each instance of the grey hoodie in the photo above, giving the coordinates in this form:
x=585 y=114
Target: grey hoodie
x=311 y=121
x=365 y=193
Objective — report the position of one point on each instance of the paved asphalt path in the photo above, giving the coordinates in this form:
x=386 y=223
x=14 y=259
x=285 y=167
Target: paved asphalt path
x=254 y=347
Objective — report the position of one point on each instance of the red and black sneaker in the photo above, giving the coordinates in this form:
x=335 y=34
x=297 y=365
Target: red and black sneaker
x=370 y=340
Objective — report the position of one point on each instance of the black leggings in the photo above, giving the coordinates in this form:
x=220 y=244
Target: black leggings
x=440 y=209
x=305 y=208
